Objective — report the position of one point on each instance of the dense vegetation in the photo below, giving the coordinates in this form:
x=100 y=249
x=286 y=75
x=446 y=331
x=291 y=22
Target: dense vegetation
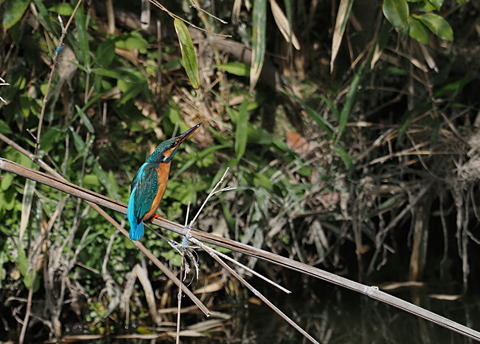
x=358 y=152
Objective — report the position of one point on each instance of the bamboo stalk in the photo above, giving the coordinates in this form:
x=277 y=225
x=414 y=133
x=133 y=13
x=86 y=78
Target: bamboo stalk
x=370 y=291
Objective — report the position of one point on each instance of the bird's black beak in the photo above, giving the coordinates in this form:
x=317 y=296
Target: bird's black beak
x=185 y=135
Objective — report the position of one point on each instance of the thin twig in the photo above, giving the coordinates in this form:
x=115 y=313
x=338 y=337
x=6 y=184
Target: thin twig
x=27 y=311
x=50 y=77
x=213 y=192
x=213 y=254
x=173 y=15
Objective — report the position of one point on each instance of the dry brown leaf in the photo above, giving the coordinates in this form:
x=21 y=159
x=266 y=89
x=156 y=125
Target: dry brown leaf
x=283 y=24
x=298 y=143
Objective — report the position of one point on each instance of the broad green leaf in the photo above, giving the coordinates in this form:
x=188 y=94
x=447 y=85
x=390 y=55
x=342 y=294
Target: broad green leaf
x=63 y=8
x=396 y=12
x=421 y=6
x=14 y=10
x=50 y=138
x=189 y=58
x=105 y=53
x=437 y=25
x=78 y=142
x=90 y=181
x=7 y=199
x=418 y=31
x=436 y=3
x=235 y=68
x=133 y=41
x=82 y=34
x=241 y=132
x=7 y=180
x=259 y=24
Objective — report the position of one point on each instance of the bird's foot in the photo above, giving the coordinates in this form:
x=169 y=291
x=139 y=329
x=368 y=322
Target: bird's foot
x=156 y=216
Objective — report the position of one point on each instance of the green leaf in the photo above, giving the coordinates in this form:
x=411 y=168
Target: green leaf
x=50 y=138
x=437 y=25
x=106 y=72
x=396 y=12
x=43 y=16
x=82 y=34
x=29 y=276
x=259 y=27
x=347 y=160
x=189 y=58
x=235 y=68
x=133 y=41
x=418 y=31
x=79 y=144
x=260 y=180
x=349 y=102
x=85 y=120
x=322 y=122
x=4 y=128
x=241 y=132
x=107 y=181
x=436 y=3
x=105 y=53
x=7 y=199
x=7 y=180
x=14 y=12
x=63 y=8
x=91 y=181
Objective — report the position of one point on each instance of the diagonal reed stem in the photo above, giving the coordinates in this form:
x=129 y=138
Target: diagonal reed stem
x=372 y=292
x=59 y=178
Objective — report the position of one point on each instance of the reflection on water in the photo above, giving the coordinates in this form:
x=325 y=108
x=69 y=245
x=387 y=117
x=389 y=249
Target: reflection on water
x=340 y=316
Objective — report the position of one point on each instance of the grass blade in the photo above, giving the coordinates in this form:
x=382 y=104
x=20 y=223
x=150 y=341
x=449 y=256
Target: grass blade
x=189 y=58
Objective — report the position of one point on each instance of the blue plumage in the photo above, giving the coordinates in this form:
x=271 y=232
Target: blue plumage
x=150 y=183
x=136 y=228
x=144 y=189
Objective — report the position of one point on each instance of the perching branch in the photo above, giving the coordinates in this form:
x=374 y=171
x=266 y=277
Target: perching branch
x=204 y=237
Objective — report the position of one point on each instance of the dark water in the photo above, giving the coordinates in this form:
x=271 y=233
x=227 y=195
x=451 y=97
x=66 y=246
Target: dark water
x=339 y=316
x=333 y=315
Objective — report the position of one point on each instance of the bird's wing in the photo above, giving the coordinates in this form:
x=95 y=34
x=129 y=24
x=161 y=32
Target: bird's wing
x=145 y=185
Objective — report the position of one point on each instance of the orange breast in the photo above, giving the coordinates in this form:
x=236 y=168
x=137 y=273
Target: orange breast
x=163 y=170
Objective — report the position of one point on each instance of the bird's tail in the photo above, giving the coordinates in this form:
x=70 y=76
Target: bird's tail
x=136 y=228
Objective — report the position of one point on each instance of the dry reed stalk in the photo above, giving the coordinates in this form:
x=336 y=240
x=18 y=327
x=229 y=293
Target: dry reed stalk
x=204 y=237
x=59 y=178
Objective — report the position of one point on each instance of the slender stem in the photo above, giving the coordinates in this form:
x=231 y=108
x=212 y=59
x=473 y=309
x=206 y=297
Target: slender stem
x=50 y=78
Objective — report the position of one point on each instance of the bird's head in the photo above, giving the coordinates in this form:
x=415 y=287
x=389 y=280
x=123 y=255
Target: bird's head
x=166 y=150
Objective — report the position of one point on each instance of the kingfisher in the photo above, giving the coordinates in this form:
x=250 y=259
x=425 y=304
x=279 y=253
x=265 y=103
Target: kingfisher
x=150 y=183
